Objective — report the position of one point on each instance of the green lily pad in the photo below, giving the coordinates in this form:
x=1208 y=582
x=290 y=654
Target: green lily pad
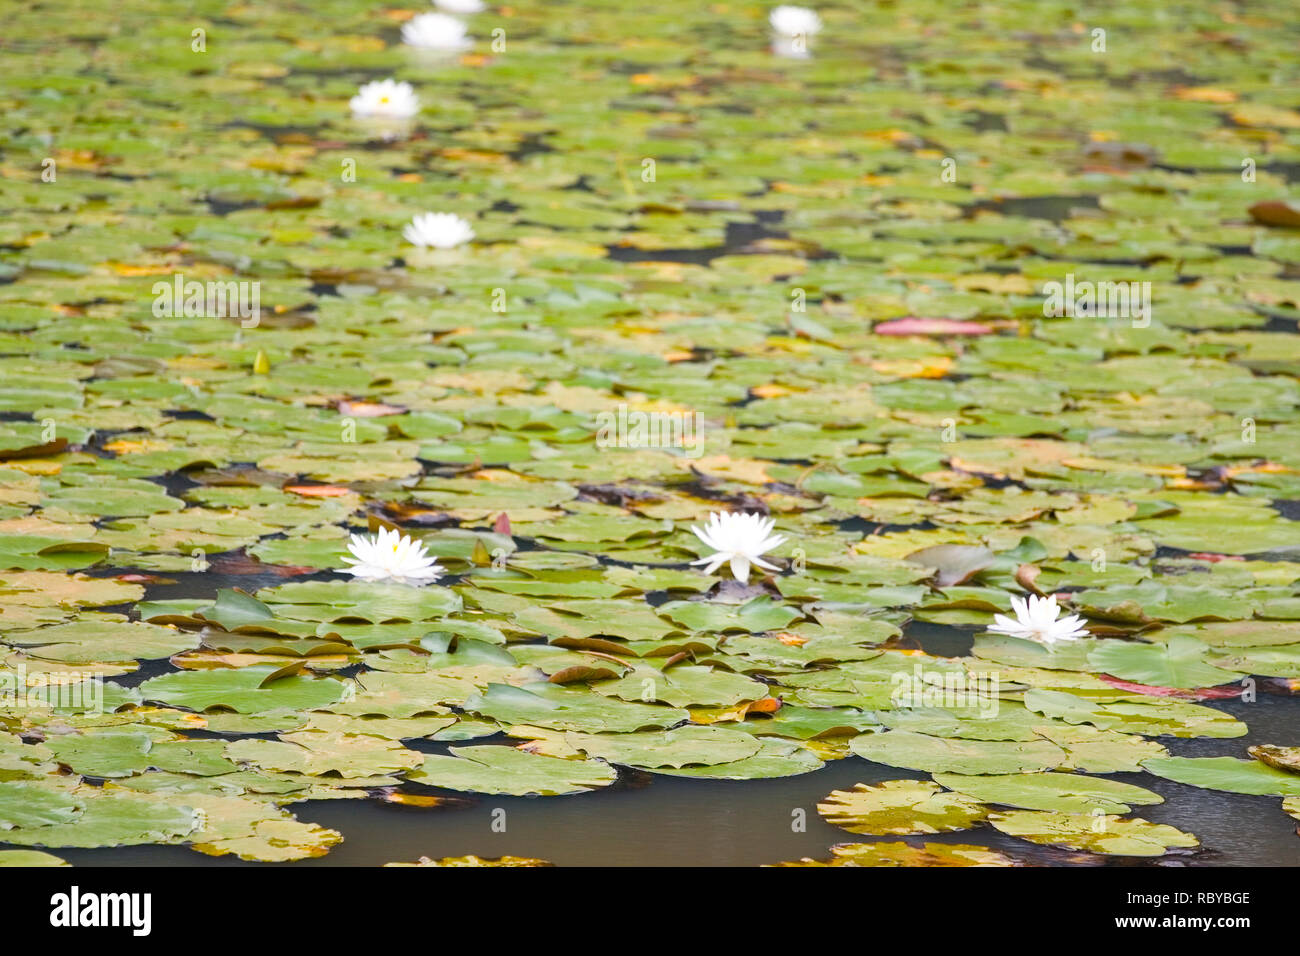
x=110 y=818
x=759 y=615
x=1279 y=758
x=365 y=601
x=684 y=685
x=1068 y=792
x=775 y=758
x=906 y=854
x=318 y=752
x=1179 y=663
x=676 y=748
x=32 y=804
x=564 y=708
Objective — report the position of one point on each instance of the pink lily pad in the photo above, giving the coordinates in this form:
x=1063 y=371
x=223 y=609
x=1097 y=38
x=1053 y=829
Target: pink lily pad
x=917 y=326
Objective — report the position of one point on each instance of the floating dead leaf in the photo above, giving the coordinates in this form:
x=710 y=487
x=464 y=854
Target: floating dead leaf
x=476 y=861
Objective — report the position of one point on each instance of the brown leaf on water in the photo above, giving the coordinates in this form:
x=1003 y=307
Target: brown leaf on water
x=409 y=512
x=1277 y=212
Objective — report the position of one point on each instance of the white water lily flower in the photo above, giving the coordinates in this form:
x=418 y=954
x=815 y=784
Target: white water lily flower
x=462 y=7
x=436 y=31
x=791 y=21
x=438 y=230
x=386 y=98
x=391 y=555
x=1036 y=620
x=741 y=539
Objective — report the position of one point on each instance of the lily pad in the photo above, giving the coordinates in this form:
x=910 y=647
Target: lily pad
x=1279 y=758
x=680 y=747
x=1226 y=773
x=906 y=854
x=1068 y=792
x=900 y=807
x=505 y=770
x=913 y=751
x=1094 y=832
x=775 y=758
x=245 y=690
x=564 y=708
x=1179 y=663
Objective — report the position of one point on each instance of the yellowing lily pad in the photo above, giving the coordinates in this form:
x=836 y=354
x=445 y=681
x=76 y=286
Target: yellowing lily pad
x=1095 y=832
x=900 y=807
